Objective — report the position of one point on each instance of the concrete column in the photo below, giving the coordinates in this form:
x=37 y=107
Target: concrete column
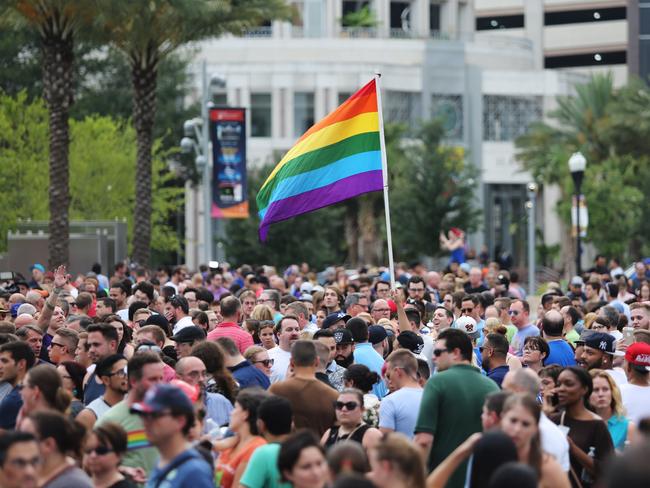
x=245 y=101
x=192 y=231
x=276 y=113
x=335 y=7
x=534 y=29
x=449 y=18
x=467 y=20
x=420 y=18
x=382 y=12
x=320 y=102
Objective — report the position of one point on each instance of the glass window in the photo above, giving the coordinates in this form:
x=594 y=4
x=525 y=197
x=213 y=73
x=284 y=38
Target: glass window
x=303 y=112
x=261 y=115
x=449 y=108
x=506 y=118
x=343 y=96
x=403 y=107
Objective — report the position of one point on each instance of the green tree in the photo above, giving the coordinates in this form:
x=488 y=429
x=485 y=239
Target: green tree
x=431 y=189
x=317 y=237
x=146 y=32
x=102 y=179
x=592 y=121
x=57 y=23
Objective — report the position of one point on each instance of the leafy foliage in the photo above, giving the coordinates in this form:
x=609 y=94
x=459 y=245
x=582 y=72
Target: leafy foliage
x=432 y=189
x=102 y=183
x=610 y=127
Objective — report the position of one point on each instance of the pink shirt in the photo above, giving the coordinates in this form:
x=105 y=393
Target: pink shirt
x=232 y=331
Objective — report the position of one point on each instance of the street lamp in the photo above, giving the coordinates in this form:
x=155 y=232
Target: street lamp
x=577 y=164
x=530 y=205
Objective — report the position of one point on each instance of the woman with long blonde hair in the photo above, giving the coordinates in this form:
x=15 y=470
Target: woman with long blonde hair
x=606 y=401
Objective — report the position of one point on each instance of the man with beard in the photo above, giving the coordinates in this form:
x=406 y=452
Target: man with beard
x=145 y=369
x=177 y=311
x=598 y=353
x=111 y=371
x=344 y=348
x=334 y=371
x=288 y=332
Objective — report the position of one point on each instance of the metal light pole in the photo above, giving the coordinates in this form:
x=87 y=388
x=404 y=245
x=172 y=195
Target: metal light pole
x=530 y=205
x=577 y=165
x=197 y=138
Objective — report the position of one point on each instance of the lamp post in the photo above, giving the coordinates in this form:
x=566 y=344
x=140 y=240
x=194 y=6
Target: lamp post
x=197 y=139
x=530 y=205
x=577 y=164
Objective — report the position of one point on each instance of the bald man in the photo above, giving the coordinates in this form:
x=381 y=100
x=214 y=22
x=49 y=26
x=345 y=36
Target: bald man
x=560 y=351
x=192 y=370
x=554 y=442
x=24 y=319
x=380 y=310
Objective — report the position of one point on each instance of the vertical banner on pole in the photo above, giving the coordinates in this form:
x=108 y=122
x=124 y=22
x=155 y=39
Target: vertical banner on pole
x=584 y=216
x=228 y=137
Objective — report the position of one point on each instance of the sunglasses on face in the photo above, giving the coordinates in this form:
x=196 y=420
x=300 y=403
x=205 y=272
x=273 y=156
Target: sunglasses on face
x=438 y=352
x=99 y=451
x=346 y=405
x=513 y=312
x=467 y=310
x=266 y=362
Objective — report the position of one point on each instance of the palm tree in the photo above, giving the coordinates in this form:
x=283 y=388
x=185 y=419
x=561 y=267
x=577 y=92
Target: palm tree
x=57 y=23
x=148 y=30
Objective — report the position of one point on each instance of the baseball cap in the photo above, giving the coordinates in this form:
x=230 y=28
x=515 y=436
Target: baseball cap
x=467 y=325
x=37 y=266
x=306 y=297
x=411 y=341
x=603 y=342
x=584 y=335
x=162 y=397
x=638 y=354
x=192 y=392
x=577 y=281
x=189 y=334
x=333 y=318
x=306 y=287
x=343 y=336
x=376 y=334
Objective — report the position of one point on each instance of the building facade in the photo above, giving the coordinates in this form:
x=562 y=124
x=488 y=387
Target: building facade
x=487 y=85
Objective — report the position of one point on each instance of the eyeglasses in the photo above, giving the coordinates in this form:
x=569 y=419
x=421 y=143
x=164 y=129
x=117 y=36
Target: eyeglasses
x=56 y=344
x=120 y=373
x=147 y=347
x=266 y=362
x=346 y=405
x=141 y=322
x=467 y=310
x=99 y=451
x=438 y=352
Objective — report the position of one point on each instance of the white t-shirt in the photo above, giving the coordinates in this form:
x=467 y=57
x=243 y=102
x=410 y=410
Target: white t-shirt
x=636 y=400
x=554 y=442
x=281 y=359
x=182 y=323
x=427 y=350
x=618 y=375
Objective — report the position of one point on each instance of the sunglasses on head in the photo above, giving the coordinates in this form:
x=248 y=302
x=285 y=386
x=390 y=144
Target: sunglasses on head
x=347 y=405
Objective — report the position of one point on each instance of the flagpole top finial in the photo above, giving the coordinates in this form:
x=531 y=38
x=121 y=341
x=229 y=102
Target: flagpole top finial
x=378 y=74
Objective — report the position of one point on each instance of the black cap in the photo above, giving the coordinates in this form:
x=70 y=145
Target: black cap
x=376 y=334
x=343 y=336
x=333 y=318
x=603 y=342
x=189 y=334
x=411 y=341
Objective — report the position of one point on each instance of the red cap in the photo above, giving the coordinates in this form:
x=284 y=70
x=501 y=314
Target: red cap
x=638 y=354
x=392 y=306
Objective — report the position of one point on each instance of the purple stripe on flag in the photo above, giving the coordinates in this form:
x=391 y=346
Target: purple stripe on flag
x=321 y=197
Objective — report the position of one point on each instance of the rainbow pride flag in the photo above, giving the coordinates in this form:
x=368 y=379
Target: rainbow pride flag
x=336 y=159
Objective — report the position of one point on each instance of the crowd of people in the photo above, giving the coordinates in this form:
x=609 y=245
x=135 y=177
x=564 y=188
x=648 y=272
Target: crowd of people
x=257 y=377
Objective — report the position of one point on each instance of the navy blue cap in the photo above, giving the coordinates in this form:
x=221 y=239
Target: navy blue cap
x=333 y=318
x=162 y=397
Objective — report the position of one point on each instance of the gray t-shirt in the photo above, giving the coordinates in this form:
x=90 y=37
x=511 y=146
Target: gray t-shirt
x=99 y=407
x=72 y=477
x=399 y=410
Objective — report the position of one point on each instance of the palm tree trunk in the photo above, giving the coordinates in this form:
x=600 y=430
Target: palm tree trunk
x=58 y=88
x=144 y=78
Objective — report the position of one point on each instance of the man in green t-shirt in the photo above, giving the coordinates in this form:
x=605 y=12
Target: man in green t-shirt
x=145 y=369
x=274 y=417
x=452 y=402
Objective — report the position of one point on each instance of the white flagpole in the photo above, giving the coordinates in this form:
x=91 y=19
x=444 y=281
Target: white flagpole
x=384 y=167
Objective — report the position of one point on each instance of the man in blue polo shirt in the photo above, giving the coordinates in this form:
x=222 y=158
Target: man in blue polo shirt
x=365 y=354
x=242 y=370
x=560 y=351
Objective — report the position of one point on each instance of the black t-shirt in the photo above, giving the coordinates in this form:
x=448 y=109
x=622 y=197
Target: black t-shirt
x=479 y=289
x=123 y=484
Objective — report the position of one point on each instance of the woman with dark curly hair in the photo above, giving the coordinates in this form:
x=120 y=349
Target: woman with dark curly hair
x=220 y=379
x=360 y=377
x=72 y=377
